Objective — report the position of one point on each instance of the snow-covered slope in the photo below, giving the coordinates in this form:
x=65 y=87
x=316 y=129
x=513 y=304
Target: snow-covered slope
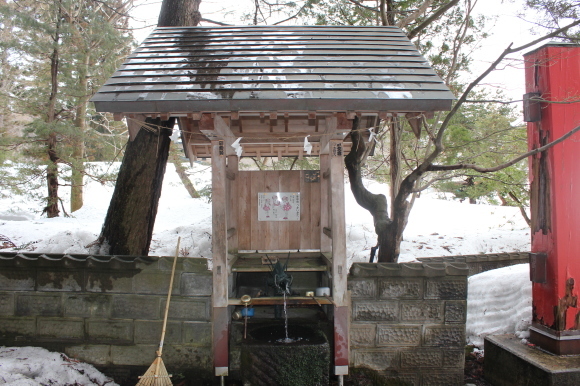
x=436 y=227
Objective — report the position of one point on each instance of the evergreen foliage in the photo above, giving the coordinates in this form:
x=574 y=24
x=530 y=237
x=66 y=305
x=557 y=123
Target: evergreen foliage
x=58 y=54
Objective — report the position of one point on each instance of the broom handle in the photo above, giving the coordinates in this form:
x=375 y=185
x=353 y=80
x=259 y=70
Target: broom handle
x=168 y=298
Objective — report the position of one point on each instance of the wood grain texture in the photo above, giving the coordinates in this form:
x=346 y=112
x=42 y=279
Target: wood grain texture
x=232 y=202
x=219 y=226
x=277 y=235
x=325 y=240
x=339 y=266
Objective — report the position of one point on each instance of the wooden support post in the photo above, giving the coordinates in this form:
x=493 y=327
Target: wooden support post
x=219 y=255
x=339 y=265
x=341 y=342
x=325 y=240
x=221 y=334
x=338 y=226
x=232 y=202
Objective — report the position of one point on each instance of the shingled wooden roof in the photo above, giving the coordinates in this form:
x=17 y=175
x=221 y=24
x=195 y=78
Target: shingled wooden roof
x=178 y=70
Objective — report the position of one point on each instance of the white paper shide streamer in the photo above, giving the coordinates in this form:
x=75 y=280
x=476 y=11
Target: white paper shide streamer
x=307 y=145
x=238 y=147
x=372 y=136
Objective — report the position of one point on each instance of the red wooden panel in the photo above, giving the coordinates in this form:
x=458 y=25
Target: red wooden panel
x=554 y=72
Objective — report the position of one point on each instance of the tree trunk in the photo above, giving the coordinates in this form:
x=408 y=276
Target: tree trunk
x=376 y=204
x=77 y=172
x=129 y=222
x=395 y=156
x=182 y=173
x=179 y=13
x=389 y=230
x=51 y=208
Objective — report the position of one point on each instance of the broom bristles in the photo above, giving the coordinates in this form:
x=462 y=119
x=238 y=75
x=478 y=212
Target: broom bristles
x=156 y=375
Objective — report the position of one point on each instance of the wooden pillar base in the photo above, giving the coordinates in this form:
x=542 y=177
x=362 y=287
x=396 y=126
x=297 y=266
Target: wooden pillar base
x=341 y=315
x=221 y=336
x=557 y=342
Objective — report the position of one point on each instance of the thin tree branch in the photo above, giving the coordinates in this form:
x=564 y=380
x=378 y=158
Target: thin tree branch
x=418 y=12
x=471 y=86
x=214 y=22
x=292 y=17
x=364 y=6
x=507 y=164
x=431 y=19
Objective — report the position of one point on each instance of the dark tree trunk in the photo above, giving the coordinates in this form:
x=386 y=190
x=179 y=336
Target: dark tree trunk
x=389 y=230
x=376 y=204
x=51 y=208
x=395 y=153
x=179 y=13
x=129 y=222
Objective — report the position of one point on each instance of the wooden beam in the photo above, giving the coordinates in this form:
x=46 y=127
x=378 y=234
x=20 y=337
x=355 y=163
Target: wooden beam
x=214 y=127
x=224 y=132
x=312 y=118
x=329 y=131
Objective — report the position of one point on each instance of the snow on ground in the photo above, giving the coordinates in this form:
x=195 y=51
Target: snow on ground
x=436 y=227
x=34 y=366
x=499 y=301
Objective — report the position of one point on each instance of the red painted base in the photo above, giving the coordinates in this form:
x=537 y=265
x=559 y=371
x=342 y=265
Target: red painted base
x=341 y=315
x=557 y=342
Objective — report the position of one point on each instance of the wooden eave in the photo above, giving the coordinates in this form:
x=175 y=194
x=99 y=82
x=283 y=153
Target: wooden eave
x=272 y=86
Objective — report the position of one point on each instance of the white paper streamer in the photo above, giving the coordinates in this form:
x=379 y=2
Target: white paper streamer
x=237 y=147
x=307 y=145
x=372 y=136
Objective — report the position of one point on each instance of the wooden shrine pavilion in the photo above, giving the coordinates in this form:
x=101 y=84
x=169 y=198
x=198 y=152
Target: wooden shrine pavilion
x=274 y=91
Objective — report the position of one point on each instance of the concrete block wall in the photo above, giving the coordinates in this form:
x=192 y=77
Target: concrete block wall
x=483 y=262
x=107 y=311
x=408 y=321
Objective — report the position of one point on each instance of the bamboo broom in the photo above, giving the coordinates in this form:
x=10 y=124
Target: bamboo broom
x=157 y=375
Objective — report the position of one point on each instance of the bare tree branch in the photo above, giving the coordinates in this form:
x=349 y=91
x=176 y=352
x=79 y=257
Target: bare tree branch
x=363 y=6
x=509 y=50
x=292 y=17
x=431 y=19
x=215 y=22
x=412 y=17
x=507 y=164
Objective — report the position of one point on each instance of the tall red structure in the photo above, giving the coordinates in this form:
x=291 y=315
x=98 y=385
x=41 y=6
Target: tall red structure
x=552 y=109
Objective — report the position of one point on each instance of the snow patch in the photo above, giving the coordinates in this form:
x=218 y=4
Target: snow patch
x=499 y=302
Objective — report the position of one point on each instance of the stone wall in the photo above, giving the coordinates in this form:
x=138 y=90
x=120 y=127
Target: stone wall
x=484 y=262
x=107 y=311
x=408 y=320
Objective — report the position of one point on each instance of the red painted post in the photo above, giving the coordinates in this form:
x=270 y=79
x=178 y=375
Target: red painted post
x=341 y=345
x=552 y=86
